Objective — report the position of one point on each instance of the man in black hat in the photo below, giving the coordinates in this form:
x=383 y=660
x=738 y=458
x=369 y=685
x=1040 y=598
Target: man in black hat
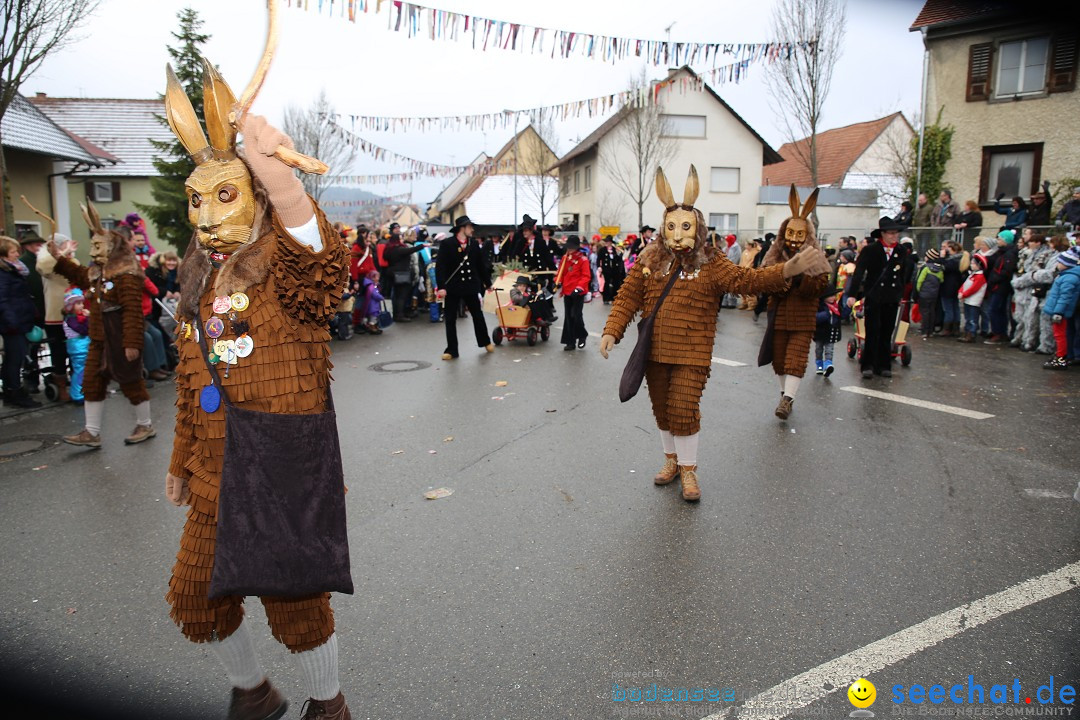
x=881 y=272
x=573 y=281
x=547 y=236
x=609 y=260
x=526 y=249
x=461 y=278
x=642 y=241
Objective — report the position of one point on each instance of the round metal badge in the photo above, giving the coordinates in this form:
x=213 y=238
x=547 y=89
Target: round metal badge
x=239 y=301
x=222 y=304
x=222 y=346
x=214 y=327
x=243 y=346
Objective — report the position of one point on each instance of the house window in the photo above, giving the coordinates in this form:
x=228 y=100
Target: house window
x=1021 y=67
x=588 y=224
x=565 y=185
x=683 y=126
x=1010 y=169
x=22 y=229
x=724 y=180
x=577 y=181
x=724 y=222
x=102 y=192
x=588 y=177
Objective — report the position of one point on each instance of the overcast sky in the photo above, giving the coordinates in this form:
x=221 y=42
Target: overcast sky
x=367 y=69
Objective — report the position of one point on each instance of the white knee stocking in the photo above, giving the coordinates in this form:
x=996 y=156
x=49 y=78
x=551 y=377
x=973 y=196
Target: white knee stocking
x=236 y=654
x=320 y=669
x=668 y=441
x=686 y=447
x=94 y=412
x=791 y=385
x=142 y=413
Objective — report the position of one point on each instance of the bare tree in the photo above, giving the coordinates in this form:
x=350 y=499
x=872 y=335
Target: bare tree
x=610 y=208
x=32 y=30
x=535 y=167
x=799 y=85
x=640 y=143
x=314 y=134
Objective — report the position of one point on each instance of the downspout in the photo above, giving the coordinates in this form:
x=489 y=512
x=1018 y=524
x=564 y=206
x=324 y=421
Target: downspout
x=922 y=111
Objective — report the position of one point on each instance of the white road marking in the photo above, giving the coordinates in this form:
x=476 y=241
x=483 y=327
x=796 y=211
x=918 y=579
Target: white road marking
x=963 y=412
x=1047 y=494
x=839 y=673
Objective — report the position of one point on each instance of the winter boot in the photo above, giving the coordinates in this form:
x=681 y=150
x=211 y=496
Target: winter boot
x=669 y=472
x=61 y=382
x=260 y=703
x=1058 y=363
x=335 y=709
x=20 y=398
x=783 y=410
x=690 y=490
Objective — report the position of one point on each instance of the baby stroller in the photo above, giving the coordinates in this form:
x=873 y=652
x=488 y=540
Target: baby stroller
x=900 y=348
x=532 y=320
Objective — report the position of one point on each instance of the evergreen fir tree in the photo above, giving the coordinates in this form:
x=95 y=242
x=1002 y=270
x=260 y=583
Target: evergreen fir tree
x=169 y=211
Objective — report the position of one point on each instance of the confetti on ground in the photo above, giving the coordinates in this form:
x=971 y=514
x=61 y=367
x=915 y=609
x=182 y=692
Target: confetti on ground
x=438 y=493
x=448 y=438
x=41 y=467
x=518 y=360
x=497 y=397
x=71 y=611
x=432 y=452
x=501 y=383
x=397 y=452
x=792 y=431
x=551 y=410
x=633 y=471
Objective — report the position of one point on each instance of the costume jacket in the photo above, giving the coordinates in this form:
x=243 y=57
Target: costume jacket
x=878 y=277
x=685 y=327
x=576 y=273
x=119 y=285
x=797 y=307
x=611 y=263
x=292 y=294
x=472 y=276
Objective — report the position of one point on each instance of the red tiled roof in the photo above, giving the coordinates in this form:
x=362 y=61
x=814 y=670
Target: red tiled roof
x=836 y=150
x=952 y=12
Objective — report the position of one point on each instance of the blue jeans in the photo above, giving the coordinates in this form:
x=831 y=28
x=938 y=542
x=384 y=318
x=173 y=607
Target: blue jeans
x=951 y=309
x=999 y=312
x=972 y=314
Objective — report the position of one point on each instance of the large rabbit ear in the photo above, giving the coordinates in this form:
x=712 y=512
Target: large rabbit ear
x=183 y=120
x=93 y=220
x=811 y=203
x=218 y=102
x=692 y=187
x=793 y=201
x=663 y=189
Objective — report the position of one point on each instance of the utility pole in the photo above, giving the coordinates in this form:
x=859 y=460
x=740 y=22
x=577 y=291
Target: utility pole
x=517 y=116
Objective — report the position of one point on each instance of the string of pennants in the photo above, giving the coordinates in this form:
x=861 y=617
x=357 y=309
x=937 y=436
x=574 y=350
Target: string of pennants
x=391 y=200
x=385 y=178
x=417 y=20
x=415 y=166
x=589 y=107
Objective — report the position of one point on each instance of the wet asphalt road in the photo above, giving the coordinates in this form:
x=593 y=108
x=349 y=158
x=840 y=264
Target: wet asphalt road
x=556 y=568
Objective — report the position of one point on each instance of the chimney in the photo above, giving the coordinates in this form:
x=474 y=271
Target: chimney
x=40 y=95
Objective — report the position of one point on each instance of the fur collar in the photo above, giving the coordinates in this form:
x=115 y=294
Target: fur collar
x=247 y=267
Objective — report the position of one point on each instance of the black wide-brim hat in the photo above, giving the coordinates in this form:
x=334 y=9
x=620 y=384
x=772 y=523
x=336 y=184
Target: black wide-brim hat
x=522 y=280
x=573 y=242
x=527 y=221
x=646 y=228
x=886 y=224
x=462 y=222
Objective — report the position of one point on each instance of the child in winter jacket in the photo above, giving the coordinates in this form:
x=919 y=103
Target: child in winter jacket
x=77 y=334
x=971 y=294
x=372 y=302
x=341 y=326
x=928 y=287
x=1061 y=306
x=827 y=333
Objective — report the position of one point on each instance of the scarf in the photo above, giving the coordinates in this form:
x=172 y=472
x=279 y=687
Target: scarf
x=19 y=267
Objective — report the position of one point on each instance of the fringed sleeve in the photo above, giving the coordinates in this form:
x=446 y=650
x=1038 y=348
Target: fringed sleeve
x=130 y=290
x=628 y=302
x=730 y=278
x=310 y=284
x=184 y=434
x=76 y=274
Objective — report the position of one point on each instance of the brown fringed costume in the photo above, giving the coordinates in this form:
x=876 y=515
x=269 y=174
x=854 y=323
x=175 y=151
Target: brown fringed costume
x=680 y=356
x=792 y=313
x=293 y=293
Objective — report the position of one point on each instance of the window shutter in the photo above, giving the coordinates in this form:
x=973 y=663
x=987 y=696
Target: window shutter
x=978 y=84
x=1063 y=64
x=90 y=190
x=116 y=192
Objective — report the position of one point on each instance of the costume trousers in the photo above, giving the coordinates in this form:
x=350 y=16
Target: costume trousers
x=574 y=323
x=791 y=349
x=299 y=623
x=1047 y=345
x=96 y=382
x=675 y=392
x=612 y=283
x=469 y=298
x=880 y=319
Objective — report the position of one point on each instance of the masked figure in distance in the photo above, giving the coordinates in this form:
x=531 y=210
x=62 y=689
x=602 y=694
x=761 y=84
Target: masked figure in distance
x=261 y=278
x=113 y=287
x=792 y=312
x=681 y=353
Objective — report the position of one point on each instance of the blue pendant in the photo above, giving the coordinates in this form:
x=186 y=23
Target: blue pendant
x=210 y=399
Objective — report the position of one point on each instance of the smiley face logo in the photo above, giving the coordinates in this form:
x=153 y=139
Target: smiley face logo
x=862 y=693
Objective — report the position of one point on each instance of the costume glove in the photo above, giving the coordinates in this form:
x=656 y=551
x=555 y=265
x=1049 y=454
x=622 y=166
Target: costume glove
x=999 y=196
x=176 y=490
x=286 y=193
x=808 y=261
x=606 y=343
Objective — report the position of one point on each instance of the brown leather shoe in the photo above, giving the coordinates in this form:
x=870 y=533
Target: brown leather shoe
x=84 y=439
x=783 y=410
x=690 y=490
x=335 y=709
x=260 y=703
x=139 y=434
x=669 y=472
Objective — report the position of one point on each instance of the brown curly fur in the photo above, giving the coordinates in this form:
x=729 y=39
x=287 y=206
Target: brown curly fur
x=778 y=253
x=657 y=257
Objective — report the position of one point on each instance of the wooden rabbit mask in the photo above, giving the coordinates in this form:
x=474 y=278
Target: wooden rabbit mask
x=798 y=226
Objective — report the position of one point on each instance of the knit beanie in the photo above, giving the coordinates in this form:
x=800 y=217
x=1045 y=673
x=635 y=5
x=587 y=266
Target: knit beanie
x=70 y=298
x=932 y=255
x=980 y=260
x=1008 y=236
x=1069 y=258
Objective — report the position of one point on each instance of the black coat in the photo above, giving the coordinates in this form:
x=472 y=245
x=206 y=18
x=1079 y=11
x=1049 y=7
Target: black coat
x=1039 y=214
x=610 y=262
x=950 y=284
x=1002 y=268
x=539 y=259
x=397 y=256
x=473 y=275
x=878 y=278
x=16 y=305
